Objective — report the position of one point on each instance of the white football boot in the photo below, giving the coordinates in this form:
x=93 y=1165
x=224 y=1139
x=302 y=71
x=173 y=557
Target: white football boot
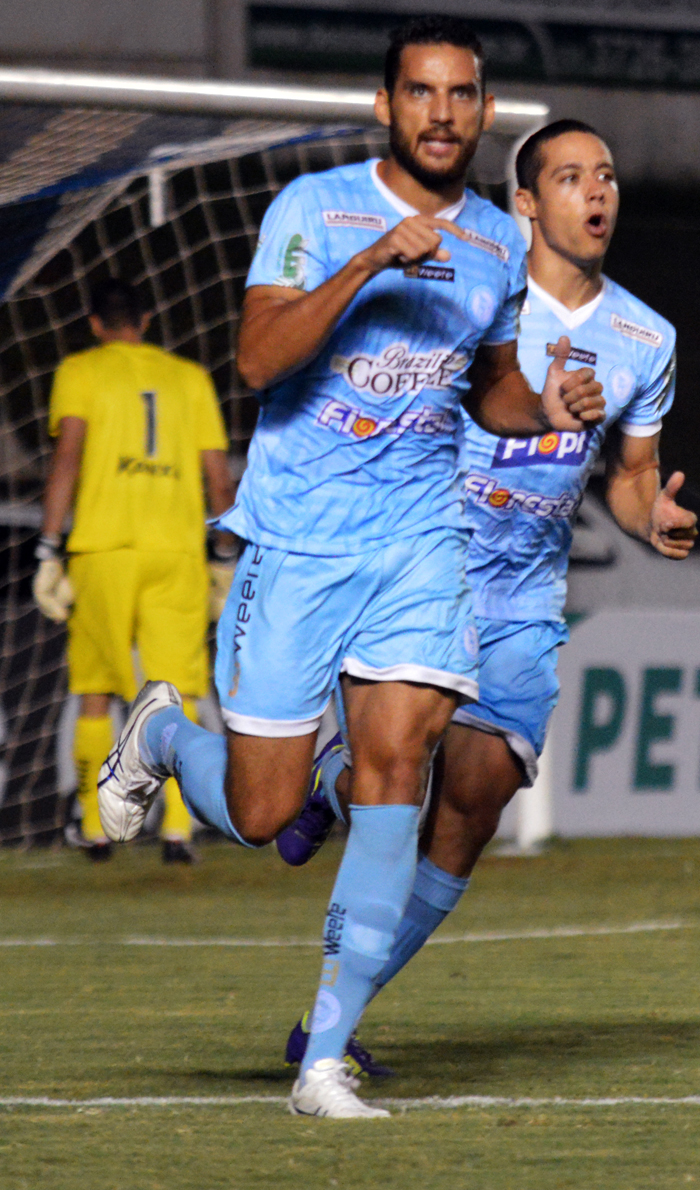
x=327 y=1090
x=126 y=785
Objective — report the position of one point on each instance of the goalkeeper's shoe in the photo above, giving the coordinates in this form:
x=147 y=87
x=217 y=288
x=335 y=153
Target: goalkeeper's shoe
x=126 y=785
x=328 y=1089
x=298 y=843
x=357 y=1058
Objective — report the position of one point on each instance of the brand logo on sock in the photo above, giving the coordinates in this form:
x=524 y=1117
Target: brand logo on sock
x=327 y=1012
x=333 y=933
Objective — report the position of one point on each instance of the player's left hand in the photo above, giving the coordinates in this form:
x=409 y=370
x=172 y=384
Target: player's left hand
x=571 y=400
x=220 y=579
x=672 y=529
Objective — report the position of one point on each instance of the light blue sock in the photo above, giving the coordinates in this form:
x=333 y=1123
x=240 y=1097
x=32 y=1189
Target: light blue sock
x=196 y=758
x=371 y=890
x=435 y=894
x=332 y=766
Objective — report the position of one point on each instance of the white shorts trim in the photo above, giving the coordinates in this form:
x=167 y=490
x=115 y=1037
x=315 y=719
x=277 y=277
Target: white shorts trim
x=517 y=743
x=270 y=728
x=467 y=687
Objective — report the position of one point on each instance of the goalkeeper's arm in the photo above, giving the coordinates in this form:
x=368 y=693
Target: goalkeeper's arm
x=52 y=590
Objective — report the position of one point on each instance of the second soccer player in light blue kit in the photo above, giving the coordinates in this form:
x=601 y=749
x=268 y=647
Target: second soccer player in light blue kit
x=520 y=497
x=360 y=325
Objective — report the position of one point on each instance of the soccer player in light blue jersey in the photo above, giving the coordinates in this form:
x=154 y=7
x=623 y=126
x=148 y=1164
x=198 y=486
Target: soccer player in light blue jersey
x=520 y=497
x=375 y=290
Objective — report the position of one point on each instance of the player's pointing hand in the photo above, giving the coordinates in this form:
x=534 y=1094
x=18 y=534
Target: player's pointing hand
x=572 y=400
x=673 y=529
x=412 y=241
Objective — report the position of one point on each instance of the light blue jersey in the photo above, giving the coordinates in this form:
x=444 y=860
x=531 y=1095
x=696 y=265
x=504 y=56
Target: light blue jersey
x=521 y=494
x=360 y=446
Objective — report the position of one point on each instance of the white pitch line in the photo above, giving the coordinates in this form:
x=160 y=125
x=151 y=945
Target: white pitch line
x=644 y=927
x=432 y=1101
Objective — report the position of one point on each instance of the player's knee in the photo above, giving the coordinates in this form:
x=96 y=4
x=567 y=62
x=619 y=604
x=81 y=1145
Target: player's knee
x=257 y=816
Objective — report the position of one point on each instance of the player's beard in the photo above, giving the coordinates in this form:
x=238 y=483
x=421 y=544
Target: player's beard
x=432 y=179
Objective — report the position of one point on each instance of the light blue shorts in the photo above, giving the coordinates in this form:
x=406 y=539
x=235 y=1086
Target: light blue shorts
x=294 y=622
x=518 y=684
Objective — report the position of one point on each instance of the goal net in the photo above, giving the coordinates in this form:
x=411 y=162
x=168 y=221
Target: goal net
x=183 y=227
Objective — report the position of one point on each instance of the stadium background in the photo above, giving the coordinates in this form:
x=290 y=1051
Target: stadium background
x=173 y=200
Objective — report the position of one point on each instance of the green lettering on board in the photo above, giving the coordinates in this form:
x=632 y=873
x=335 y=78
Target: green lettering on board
x=653 y=727
x=596 y=734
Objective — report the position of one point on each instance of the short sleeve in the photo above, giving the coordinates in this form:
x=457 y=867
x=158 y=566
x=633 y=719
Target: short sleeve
x=70 y=392
x=505 y=327
x=652 y=400
x=211 y=432
x=290 y=250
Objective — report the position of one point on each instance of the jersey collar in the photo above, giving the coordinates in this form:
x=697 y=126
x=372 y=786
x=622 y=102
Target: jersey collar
x=570 y=318
x=402 y=207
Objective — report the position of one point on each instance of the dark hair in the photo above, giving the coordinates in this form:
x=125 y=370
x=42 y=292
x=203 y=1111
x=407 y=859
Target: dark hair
x=432 y=30
x=530 y=159
x=116 y=303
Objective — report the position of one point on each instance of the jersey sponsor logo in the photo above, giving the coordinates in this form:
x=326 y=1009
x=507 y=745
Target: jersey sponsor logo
x=566 y=449
x=577 y=353
x=292 y=263
x=354 y=423
x=632 y=330
x=398 y=370
x=429 y=272
x=361 y=219
x=491 y=246
x=130 y=466
x=484 y=490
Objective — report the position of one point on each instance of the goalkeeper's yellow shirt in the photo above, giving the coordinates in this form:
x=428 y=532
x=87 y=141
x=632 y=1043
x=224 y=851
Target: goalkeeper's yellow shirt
x=149 y=415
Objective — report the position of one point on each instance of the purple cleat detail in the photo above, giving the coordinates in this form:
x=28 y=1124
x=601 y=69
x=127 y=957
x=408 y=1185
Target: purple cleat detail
x=357 y=1057
x=298 y=843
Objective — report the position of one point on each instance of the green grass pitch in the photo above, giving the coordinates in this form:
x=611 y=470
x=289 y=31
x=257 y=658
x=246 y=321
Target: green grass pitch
x=606 y=1015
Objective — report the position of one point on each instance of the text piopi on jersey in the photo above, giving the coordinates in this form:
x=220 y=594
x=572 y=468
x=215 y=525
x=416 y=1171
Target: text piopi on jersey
x=567 y=449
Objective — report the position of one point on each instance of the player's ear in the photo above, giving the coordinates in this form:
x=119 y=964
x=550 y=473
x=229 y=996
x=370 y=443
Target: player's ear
x=525 y=203
x=489 y=112
x=96 y=326
x=382 y=107
x=145 y=323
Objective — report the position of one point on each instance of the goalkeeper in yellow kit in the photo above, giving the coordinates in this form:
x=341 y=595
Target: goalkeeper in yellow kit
x=139 y=438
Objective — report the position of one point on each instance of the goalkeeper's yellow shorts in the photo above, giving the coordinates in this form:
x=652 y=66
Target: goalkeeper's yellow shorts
x=154 y=602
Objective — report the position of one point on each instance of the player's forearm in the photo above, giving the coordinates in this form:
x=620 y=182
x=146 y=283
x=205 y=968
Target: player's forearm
x=280 y=337
x=508 y=407
x=631 y=498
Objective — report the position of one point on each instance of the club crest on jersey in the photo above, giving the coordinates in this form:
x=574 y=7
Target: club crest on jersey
x=399 y=370
x=359 y=219
x=632 y=330
x=567 y=449
x=577 y=353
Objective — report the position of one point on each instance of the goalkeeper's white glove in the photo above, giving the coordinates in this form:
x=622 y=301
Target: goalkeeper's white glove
x=52 y=589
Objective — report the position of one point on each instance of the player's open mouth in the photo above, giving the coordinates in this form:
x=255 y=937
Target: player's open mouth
x=440 y=146
x=597 y=225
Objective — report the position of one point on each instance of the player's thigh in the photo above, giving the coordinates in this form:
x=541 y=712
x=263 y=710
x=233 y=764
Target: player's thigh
x=101 y=625
x=413 y=654
x=171 y=620
x=518 y=686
